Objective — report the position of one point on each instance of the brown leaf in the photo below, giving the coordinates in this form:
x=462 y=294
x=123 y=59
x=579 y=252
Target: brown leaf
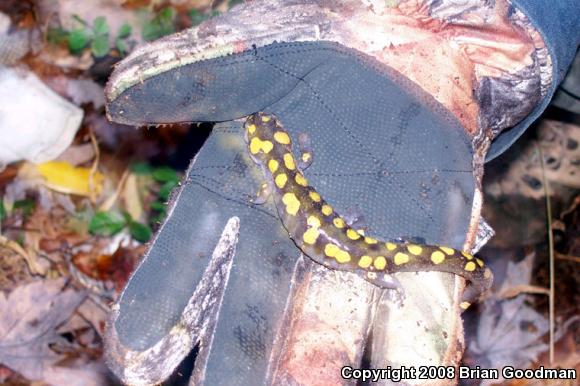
x=29 y=317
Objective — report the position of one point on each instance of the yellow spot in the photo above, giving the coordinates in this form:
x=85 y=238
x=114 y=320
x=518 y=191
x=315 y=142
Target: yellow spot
x=265 y=118
x=267 y=146
x=391 y=246
x=401 y=258
x=342 y=256
x=470 y=266
x=437 y=257
x=311 y=235
x=447 y=250
x=326 y=210
x=330 y=250
x=464 y=305
x=314 y=196
x=300 y=180
x=370 y=240
x=273 y=165
x=487 y=273
x=380 y=263
x=313 y=221
x=306 y=157
x=282 y=137
x=256 y=144
x=414 y=249
x=252 y=129
x=289 y=161
x=338 y=222
x=467 y=255
x=280 y=180
x=365 y=261
x=291 y=202
x=352 y=234
x=479 y=262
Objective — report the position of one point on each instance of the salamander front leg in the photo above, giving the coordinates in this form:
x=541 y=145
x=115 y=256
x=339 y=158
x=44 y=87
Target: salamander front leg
x=305 y=147
x=262 y=194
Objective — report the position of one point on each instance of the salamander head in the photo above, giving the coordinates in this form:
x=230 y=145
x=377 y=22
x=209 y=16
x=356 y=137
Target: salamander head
x=263 y=133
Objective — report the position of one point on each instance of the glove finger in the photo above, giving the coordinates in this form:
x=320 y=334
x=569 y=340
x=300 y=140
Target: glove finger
x=152 y=305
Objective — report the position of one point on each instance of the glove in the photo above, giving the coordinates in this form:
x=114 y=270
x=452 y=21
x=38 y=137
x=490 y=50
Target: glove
x=223 y=273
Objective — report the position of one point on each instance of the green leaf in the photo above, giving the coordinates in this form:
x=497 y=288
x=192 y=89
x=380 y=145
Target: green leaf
x=196 y=17
x=124 y=31
x=2 y=209
x=100 y=46
x=165 y=174
x=161 y=25
x=141 y=168
x=121 y=46
x=78 y=39
x=27 y=206
x=107 y=223
x=140 y=232
x=100 y=26
x=165 y=190
x=158 y=206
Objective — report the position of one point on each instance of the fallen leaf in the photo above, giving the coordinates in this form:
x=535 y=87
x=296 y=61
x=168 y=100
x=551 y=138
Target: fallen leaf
x=65 y=178
x=132 y=198
x=29 y=317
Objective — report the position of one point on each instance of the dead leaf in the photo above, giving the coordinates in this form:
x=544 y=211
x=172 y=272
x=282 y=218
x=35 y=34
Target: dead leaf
x=131 y=197
x=65 y=178
x=29 y=316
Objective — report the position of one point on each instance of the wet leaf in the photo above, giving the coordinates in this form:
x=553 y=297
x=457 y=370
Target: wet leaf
x=140 y=232
x=107 y=223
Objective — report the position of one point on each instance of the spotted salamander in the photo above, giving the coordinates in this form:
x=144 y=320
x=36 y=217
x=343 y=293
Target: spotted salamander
x=325 y=237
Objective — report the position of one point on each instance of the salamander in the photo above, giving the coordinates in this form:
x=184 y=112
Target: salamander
x=324 y=236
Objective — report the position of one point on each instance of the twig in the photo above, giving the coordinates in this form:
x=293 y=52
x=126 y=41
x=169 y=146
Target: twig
x=515 y=290
x=108 y=204
x=551 y=253
x=562 y=256
x=94 y=166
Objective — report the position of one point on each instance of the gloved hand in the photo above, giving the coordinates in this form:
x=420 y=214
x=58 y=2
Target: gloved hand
x=222 y=270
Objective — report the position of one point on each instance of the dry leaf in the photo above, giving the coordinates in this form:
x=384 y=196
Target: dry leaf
x=29 y=317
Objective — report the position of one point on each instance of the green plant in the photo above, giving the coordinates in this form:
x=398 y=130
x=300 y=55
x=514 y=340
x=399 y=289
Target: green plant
x=160 y=25
x=197 y=17
x=111 y=223
x=96 y=37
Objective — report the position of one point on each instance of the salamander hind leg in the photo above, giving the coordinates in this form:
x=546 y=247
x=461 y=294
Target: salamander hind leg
x=381 y=279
